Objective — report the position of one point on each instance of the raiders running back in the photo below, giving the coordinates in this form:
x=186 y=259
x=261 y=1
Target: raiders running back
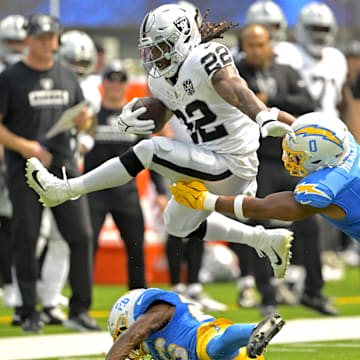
x=210 y=120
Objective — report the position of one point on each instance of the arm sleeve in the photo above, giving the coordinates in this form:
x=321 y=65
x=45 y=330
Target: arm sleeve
x=297 y=100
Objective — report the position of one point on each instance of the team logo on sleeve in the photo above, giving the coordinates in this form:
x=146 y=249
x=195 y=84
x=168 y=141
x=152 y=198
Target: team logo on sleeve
x=310 y=189
x=189 y=87
x=183 y=25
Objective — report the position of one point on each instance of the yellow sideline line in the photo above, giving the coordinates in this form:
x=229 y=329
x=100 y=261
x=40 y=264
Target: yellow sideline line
x=94 y=313
x=345 y=300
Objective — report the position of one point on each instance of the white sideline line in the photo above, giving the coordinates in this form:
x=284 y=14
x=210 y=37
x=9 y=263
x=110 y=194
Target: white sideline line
x=326 y=329
x=98 y=343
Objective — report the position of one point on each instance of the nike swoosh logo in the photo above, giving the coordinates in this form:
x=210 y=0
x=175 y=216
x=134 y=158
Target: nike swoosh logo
x=278 y=258
x=140 y=300
x=34 y=175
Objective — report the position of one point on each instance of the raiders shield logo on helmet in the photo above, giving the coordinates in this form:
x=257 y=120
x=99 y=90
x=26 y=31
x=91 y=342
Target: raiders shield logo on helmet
x=183 y=25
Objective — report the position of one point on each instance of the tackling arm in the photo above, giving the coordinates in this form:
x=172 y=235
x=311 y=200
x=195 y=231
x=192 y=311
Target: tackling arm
x=280 y=206
x=152 y=320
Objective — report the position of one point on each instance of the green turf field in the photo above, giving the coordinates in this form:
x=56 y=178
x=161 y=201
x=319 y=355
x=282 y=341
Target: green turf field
x=332 y=350
x=345 y=292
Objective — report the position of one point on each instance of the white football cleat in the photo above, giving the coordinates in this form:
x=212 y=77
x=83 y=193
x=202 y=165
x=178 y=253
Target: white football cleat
x=275 y=244
x=51 y=190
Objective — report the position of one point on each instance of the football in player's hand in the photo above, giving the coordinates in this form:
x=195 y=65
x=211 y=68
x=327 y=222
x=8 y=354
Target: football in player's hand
x=155 y=110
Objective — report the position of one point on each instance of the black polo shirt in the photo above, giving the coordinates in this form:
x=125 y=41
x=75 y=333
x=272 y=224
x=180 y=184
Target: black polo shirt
x=31 y=102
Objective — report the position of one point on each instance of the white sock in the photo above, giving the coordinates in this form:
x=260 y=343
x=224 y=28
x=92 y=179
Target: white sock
x=110 y=174
x=220 y=227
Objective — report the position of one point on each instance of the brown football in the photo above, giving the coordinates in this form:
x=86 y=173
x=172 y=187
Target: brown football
x=155 y=110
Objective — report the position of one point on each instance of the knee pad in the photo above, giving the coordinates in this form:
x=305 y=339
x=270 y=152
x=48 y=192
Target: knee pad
x=144 y=150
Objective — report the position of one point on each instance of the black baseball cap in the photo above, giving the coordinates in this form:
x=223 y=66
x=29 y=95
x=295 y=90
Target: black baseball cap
x=39 y=24
x=115 y=71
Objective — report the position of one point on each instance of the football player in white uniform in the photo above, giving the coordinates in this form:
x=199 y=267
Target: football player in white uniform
x=198 y=82
x=77 y=50
x=12 y=40
x=322 y=66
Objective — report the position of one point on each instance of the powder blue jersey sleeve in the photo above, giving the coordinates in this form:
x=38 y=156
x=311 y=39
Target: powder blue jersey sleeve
x=339 y=186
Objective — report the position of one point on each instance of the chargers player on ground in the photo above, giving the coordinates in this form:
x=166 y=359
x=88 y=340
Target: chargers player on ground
x=198 y=82
x=167 y=325
x=323 y=152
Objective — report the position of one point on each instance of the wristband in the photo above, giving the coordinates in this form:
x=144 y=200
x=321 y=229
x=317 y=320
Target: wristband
x=265 y=116
x=238 y=210
x=210 y=201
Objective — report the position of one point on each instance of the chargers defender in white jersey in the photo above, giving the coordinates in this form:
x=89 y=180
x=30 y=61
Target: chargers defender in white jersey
x=198 y=82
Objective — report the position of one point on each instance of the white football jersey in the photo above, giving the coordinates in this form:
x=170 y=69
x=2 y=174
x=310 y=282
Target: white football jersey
x=91 y=94
x=210 y=120
x=324 y=77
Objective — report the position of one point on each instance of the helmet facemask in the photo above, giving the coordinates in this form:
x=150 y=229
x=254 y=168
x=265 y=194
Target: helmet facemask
x=160 y=58
x=292 y=161
x=120 y=328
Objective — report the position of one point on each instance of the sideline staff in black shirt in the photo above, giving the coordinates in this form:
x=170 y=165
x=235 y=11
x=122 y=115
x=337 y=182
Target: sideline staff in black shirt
x=121 y=202
x=33 y=95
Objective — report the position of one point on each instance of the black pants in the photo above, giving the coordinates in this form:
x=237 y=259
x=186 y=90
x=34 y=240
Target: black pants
x=73 y=220
x=177 y=250
x=6 y=250
x=130 y=222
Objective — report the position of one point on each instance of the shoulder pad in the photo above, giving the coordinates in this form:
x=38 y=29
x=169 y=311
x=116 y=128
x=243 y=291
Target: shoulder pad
x=314 y=194
x=211 y=57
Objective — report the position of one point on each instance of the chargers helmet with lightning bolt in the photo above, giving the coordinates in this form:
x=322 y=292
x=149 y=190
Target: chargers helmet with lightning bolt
x=322 y=140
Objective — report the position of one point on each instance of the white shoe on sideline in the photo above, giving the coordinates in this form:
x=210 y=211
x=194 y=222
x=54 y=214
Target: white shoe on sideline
x=196 y=294
x=9 y=297
x=51 y=190
x=275 y=244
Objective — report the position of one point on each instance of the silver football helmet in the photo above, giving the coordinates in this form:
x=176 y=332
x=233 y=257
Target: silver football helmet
x=12 y=36
x=167 y=35
x=322 y=140
x=315 y=28
x=77 y=50
x=269 y=14
x=121 y=315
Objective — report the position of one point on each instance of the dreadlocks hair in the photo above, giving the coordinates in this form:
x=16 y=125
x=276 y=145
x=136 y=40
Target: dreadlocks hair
x=209 y=31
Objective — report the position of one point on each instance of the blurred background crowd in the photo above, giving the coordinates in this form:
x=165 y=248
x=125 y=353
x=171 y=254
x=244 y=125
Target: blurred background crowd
x=300 y=56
